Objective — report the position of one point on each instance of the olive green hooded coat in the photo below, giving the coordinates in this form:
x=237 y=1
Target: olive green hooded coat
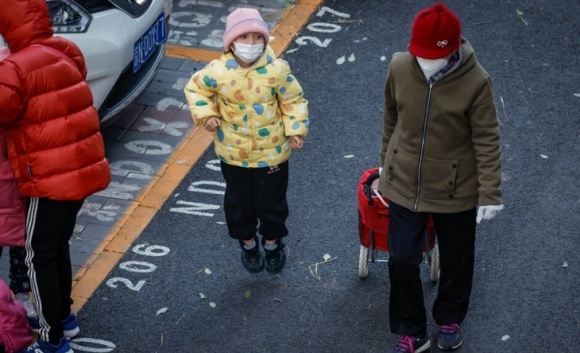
x=441 y=145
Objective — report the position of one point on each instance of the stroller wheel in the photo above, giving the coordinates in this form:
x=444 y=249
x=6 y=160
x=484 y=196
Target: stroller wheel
x=363 y=263
x=434 y=267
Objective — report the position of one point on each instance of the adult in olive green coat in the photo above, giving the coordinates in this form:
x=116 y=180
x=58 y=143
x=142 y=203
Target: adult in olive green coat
x=440 y=155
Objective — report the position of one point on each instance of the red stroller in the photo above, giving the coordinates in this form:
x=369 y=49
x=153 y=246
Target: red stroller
x=373 y=223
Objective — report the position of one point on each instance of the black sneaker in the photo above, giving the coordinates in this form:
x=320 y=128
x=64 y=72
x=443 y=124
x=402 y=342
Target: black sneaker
x=252 y=258
x=409 y=344
x=450 y=337
x=275 y=259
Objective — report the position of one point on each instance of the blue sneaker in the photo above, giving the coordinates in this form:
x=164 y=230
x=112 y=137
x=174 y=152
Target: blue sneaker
x=409 y=344
x=44 y=347
x=71 y=327
x=34 y=323
x=450 y=337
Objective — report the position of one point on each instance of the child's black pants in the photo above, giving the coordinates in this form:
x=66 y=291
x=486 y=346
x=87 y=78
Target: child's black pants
x=254 y=194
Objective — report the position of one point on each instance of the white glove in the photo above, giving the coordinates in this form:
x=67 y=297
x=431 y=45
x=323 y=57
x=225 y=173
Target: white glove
x=487 y=212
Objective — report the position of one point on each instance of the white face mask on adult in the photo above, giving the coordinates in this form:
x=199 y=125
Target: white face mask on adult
x=431 y=67
x=248 y=53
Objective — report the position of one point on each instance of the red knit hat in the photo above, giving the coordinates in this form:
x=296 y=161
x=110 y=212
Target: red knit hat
x=436 y=32
x=242 y=21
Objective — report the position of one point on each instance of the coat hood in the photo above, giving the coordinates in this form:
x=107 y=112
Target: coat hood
x=24 y=22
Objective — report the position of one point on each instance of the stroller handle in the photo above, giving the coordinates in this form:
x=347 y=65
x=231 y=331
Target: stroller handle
x=367 y=187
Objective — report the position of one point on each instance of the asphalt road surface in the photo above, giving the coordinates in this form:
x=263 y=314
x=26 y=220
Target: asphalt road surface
x=183 y=288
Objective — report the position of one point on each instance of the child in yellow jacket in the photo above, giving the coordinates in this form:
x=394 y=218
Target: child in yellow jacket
x=257 y=113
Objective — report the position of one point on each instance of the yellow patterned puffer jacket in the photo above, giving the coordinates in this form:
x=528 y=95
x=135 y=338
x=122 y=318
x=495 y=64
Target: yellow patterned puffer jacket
x=259 y=108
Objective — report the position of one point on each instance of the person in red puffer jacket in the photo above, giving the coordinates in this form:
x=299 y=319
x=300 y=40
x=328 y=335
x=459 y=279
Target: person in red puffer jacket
x=56 y=151
x=12 y=224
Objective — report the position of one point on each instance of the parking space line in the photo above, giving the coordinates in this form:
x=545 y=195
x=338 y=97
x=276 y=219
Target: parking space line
x=183 y=158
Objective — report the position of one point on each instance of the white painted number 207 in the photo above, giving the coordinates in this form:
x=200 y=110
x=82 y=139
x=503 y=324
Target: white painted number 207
x=322 y=27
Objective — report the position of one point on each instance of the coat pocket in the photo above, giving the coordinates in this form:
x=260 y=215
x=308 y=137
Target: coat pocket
x=402 y=171
x=438 y=178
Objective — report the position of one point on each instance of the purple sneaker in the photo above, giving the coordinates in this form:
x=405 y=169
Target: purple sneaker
x=450 y=337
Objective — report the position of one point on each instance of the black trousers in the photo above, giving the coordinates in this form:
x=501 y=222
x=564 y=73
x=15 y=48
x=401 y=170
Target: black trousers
x=456 y=240
x=49 y=226
x=18 y=273
x=256 y=194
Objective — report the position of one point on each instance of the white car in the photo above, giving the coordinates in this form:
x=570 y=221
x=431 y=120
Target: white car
x=123 y=42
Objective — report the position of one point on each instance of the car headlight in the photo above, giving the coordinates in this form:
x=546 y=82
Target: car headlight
x=67 y=16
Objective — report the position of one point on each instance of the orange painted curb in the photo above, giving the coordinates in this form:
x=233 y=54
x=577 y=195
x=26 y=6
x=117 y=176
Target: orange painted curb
x=197 y=54
x=137 y=217
x=184 y=157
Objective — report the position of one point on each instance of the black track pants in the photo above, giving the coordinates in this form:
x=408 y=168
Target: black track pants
x=49 y=226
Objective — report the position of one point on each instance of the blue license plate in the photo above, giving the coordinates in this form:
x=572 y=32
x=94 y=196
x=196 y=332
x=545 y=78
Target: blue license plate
x=146 y=45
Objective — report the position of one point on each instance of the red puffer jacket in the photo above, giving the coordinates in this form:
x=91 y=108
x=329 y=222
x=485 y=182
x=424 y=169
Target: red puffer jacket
x=54 y=143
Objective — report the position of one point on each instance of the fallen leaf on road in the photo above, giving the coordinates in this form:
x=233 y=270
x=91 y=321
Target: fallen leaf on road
x=383 y=58
x=505 y=338
x=340 y=60
x=212 y=304
x=207 y=271
x=221 y=223
x=565 y=264
x=520 y=14
x=314 y=272
x=248 y=294
x=201 y=296
x=349 y=156
x=161 y=311
x=544 y=156
x=577 y=95
x=181 y=161
x=292 y=51
x=351 y=58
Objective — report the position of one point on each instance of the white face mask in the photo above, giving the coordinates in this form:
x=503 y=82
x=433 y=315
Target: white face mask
x=431 y=67
x=248 y=53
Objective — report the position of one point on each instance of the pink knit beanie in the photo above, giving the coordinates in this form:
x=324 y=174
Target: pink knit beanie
x=436 y=32
x=243 y=21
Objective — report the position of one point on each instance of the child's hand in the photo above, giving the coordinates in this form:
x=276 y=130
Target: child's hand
x=296 y=142
x=212 y=124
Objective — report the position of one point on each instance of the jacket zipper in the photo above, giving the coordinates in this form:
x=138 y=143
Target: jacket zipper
x=422 y=151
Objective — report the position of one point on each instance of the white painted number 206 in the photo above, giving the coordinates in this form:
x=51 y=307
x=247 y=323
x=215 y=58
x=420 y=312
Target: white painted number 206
x=138 y=266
